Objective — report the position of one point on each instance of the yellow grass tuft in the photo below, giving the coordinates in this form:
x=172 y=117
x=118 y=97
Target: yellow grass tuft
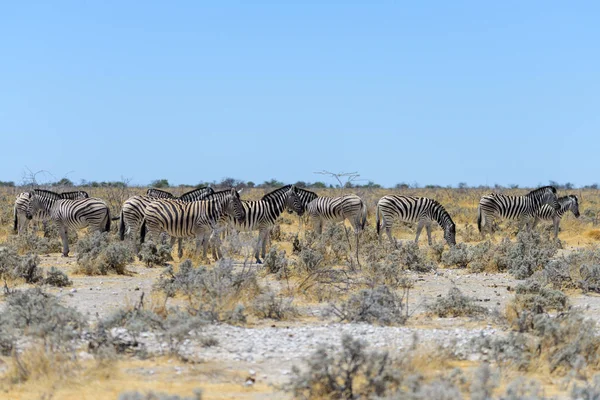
x=593 y=234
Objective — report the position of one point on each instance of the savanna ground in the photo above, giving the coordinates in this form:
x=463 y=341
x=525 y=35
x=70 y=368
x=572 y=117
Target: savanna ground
x=514 y=317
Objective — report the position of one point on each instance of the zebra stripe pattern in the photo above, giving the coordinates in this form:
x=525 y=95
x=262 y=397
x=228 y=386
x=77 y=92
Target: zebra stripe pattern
x=22 y=202
x=349 y=207
x=261 y=214
x=514 y=207
x=133 y=210
x=420 y=210
x=190 y=219
x=547 y=213
x=70 y=214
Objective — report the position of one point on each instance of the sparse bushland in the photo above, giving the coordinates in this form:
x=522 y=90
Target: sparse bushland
x=32 y=243
x=212 y=293
x=530 y=252
x=98 y=254
x=55 y=277
x=456 y=304
x=122 y=331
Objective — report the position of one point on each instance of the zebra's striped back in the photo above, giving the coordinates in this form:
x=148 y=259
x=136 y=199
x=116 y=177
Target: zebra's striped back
x=566 y=203
x=197 y=194
x=415 y=210
x=159 y=194
x=339 y=208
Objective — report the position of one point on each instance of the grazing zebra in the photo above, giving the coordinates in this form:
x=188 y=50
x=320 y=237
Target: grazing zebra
x=132 y=212
x=547 y=213
x=514 y=207
x=190 y=219
x=261 y=214
x=421 y=210
x=349 y=207
x=22 y=202
x=68 y=213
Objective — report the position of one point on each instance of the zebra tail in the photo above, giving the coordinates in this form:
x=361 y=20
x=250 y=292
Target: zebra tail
x=378 y=223
x=143 y=231
x=107 y=226
x=16 y=225
x=479 y=217
x=122 y=227
x=363 y=220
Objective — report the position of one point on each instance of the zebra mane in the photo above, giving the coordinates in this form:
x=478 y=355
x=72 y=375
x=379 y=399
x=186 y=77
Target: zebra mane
x=306 y=192
x=78 y=194
x=48 y=194
x=541 y=190
x=277 y=192
x=163 y=194
x=192 y=194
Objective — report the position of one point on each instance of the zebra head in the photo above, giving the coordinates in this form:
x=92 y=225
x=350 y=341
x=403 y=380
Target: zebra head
x=233 y=206
x=450 y=234
x=293 y=202
x=33 y=206
x=574 y=205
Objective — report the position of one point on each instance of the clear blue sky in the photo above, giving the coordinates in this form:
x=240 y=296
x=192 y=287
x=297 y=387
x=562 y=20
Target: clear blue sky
x=431 y=92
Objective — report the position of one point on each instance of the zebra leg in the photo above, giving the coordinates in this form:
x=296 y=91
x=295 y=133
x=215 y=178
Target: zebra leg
x=556 y=222
x=419 y=229
x=45 y=227
x=65 y=239
x=428 y=228
x=258 y=246
x=179 y=247
x=388 y=230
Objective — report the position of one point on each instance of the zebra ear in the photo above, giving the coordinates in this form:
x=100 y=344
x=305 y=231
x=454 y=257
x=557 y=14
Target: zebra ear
x=240 y=191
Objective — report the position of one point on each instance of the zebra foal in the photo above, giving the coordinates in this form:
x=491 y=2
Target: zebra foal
x=69 y=214
x=547 y=213
x=420 y=210
x=498 y=205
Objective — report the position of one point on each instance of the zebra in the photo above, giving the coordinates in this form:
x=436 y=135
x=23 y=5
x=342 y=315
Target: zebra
x=261 y=214
x=547 y=213
x=514 y=207
x=190 y=219
x=20 y=209
x=421 y=210
x=68 y=213
x=349 y=207
x=132 y=212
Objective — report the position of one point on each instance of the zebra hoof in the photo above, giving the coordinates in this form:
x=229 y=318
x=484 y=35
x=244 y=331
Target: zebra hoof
x=65 y=255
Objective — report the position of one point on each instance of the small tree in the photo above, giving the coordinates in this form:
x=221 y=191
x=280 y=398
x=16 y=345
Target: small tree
x=160 y=183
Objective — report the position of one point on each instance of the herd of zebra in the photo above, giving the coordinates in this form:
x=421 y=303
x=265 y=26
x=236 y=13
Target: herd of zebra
x=202 y=213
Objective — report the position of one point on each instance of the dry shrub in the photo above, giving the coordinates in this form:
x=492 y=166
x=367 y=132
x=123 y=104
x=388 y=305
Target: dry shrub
x=456 y=304
x=349 y=373
x=152 y=254
x=380 y=305
x=213 y=293
x=55 y=277
x=98 y=255
x=531 y=299
x=32 y=243
x=273 y=306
